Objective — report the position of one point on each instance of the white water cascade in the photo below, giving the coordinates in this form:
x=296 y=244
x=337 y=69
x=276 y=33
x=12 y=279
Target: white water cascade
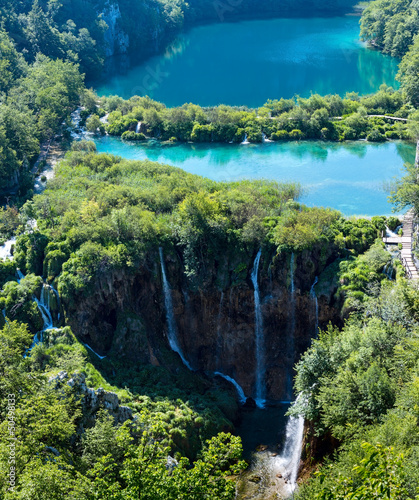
x=6 y=249
x=138 y=127
x=170 y=316
x=245 y=141
x=240 y=391
x=291 y=334
x=316 y=307
x=260 y=347
x=44 y=307
x=264 y=138
x=291 y=455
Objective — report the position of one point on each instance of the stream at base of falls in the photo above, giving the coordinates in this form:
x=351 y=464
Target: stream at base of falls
x=264 y=433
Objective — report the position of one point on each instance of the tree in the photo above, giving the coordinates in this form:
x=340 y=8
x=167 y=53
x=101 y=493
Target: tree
x=406 y=190
x=409 y=73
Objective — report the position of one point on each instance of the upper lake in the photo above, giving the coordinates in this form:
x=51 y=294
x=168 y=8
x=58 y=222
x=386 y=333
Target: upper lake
x=246 y=63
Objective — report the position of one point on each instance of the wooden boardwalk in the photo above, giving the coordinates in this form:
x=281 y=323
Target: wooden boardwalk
x=406 y=241
x=406 y=253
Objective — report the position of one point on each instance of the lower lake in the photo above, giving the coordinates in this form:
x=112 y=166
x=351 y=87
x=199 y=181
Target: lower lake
x=352 y=177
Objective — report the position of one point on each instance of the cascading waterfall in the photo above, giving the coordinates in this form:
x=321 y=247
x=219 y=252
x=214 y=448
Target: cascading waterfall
x=219 y=333
x=316 y=307
x=291 y=455
x=389 y=270
x=170 y=316
x=245 y=141
x=260 y=347
x=291 y=342
x=240 y=391
x=44 y=307
x=138 y=127
x=6 y=249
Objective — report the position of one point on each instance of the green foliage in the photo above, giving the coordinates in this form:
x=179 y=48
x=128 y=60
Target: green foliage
x=294 y=119
x=381 y=474
x=405 y=192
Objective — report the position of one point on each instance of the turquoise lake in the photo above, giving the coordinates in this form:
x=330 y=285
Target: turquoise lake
x=246 y=63
x=351 y=177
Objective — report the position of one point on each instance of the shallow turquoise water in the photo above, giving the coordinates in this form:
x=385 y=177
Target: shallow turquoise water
x=248 y=62
x=350 y=177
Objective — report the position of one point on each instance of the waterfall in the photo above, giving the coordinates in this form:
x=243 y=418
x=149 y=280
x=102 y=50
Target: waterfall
x=170 y=316
x=138 y=127
x=291 y=454
x=219 y=346
x=389 y=270
x=292 y=325
x=245 y=141
x=316 y=307
x=44 y=307
x=264 y=139
x=240 y=391
x=260 y=355
x=6 y=249
x=94 y=352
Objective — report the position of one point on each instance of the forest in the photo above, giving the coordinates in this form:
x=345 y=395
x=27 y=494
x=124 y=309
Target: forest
x=102 y=215
x=107 y=426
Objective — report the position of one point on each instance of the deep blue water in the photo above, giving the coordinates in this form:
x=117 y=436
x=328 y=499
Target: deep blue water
x=246 y=63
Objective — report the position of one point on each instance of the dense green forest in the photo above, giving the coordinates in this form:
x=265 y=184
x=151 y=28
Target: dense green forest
x=101 y=216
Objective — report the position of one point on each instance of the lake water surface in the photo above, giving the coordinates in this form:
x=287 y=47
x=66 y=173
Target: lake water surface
x=350 y=177
x=246 y=63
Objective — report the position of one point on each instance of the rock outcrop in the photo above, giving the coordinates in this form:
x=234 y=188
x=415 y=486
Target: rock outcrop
x=93 y=400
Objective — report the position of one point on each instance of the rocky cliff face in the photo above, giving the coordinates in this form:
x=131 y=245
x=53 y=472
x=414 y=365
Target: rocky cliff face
x=215 y=323
x=116 y=40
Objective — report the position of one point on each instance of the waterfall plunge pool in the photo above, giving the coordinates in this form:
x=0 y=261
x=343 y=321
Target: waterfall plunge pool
x=264 y=434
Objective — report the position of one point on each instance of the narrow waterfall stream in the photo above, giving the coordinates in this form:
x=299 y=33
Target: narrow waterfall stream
x=259 y=339
x=292 y=325
x=219 y=347
x=316 y=307
x=240 y=392
x=170 y=315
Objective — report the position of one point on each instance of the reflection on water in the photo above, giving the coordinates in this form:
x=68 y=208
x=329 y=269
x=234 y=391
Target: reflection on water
x=246 y=63
x=350 y=177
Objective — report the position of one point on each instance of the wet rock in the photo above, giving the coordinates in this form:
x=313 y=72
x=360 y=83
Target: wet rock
x=250 y=403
